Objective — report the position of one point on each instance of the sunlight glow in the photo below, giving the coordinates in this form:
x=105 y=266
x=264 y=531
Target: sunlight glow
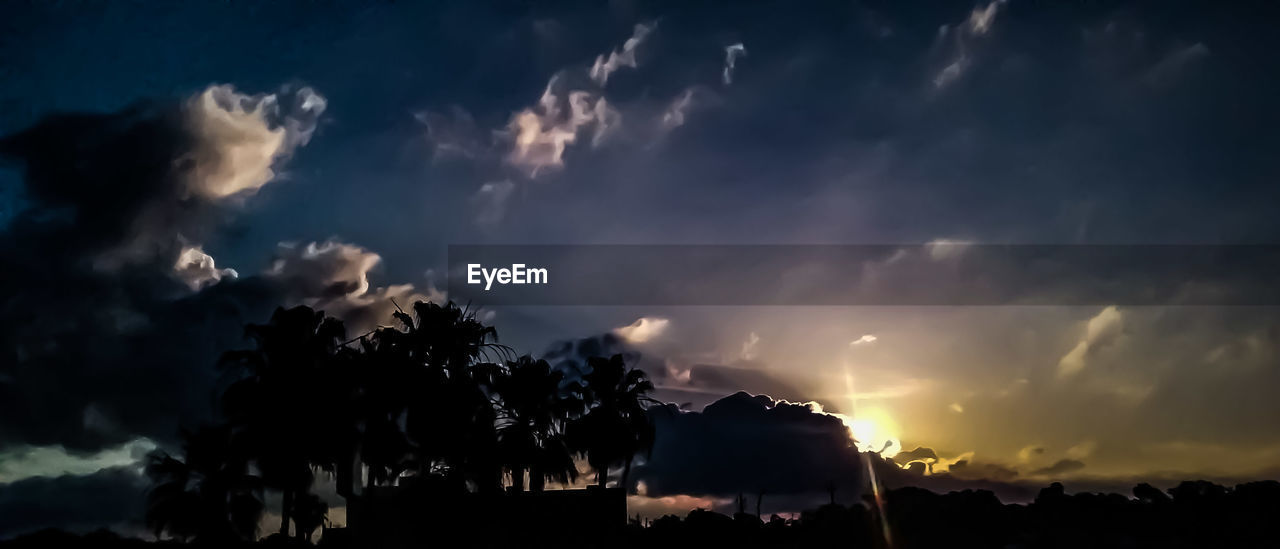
x=873 y=430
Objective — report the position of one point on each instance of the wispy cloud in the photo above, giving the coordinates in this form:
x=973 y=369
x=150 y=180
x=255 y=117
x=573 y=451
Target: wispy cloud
x=643 y=329
x=674 y=115
x=491 y=201
x=626 y=57
x=731 y=55
x=453 y=134
x=1102 y=329
x=541 y=133
x=1167 y=69
x=960 y=55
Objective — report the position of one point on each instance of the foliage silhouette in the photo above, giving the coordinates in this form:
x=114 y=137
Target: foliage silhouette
x=1192 y=514
x=615 y=427
x=534 y=408
x=276 y=403
x=434 y=397
x=209 y=496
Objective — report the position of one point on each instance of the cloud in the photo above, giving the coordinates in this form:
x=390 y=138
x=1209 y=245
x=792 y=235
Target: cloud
x=1059 y=467
x=113 y=496
x=643 y=329
x=674 y=115
x=453 y=134
x=980 y=19
x=749 y=347
x=197 y=270
x=603 y=66
x=731 y=55
x=51 y=461
x=1028 y=452
x=1164 y=72
x=1101 y=330
x=535 y=139
x=941 y=249
x=325 y=270
x=333 y=276
x=1082 y=450
x=540 y=134
x=239 y=138
x=969 y=470
x=960 y=51
x=157 y=176
x=951 y=72
x=865 y=339
x=748 y=443
x=570 y=353
x=920 y=453
x=491 y=201
x=118 y=206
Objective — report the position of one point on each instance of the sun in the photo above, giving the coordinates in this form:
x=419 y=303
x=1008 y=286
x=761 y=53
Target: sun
x=873 y=429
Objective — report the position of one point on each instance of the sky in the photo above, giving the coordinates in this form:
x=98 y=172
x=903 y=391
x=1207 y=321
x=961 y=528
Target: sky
x=328 y=154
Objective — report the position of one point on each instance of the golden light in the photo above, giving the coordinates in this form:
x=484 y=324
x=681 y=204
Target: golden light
x=873 y=430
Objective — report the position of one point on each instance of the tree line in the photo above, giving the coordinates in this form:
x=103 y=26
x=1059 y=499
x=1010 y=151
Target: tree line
x=434 y=395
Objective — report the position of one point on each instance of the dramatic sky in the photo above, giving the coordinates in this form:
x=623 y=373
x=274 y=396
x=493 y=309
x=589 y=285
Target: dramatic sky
x=170 y=171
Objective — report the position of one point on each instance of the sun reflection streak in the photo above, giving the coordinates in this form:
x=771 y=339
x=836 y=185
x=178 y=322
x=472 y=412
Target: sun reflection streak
x=866 y=433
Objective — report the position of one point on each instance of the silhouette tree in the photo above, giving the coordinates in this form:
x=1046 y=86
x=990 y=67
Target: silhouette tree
x=450 y=417
x=615 y=427
x=277 y=399
x=209 y=496
x=308 y=515
x=533 y=410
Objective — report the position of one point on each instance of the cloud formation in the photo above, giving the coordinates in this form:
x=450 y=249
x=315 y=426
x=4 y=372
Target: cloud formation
x=197 y=269
x=731 y=55
x=333 y=276
x=78 y=503
x=535 y=140
x=239 y=138
x=674 y=115
x=643 y=330
x=748 y=442
x=540 y=134
x=1059 y=467
x=603 y=66
x=118 y=206
x=961 y=39
x=1101 y=330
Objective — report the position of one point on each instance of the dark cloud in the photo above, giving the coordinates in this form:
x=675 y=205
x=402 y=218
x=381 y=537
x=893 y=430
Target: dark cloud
x=1059 y=467
x=103 y=334
x=920 y=453
x=114 y=496
x=967 y=470
x=748 y=442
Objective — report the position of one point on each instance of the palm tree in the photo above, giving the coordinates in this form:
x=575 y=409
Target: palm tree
x=276 y=402
x=534 y=408
x=384 y=376
x=615 y=427
x=209 y=496
x=309 y=514
x=451 y=416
